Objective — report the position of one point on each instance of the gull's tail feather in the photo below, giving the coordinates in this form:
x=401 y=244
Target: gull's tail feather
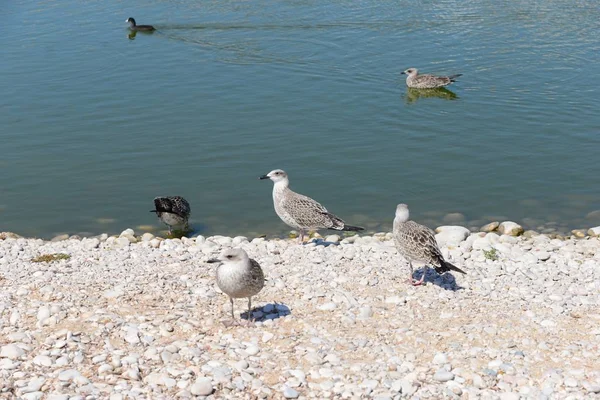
x=352 y=228
x=339 y=225
x=445 y=266
x=453 y=77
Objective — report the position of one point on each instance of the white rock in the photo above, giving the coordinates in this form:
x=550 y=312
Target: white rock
x=451 y=235
x=267 y=336
x=510 y=228
x=90 y=244
x=127 y=232
x=34 y=385
x=11 y=351
x=290 y=393
x=43 y=313
x=443 y=376
x=328 y=306
x=595 y=231
x=42 y=360
x=146 y=237
x=332 y=238
x=202 y=387
x=252 y=350
x=68 y=375
x=440 y=359
x=15 y=316
x=33 y=396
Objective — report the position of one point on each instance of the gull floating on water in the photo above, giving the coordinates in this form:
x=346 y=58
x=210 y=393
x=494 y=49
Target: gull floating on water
x=426 y=81
x=416 y=242
x=299 y=211
x=172 y=211
x=238 y=276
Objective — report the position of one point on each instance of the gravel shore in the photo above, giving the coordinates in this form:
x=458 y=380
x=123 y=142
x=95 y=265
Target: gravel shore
x=132 y=317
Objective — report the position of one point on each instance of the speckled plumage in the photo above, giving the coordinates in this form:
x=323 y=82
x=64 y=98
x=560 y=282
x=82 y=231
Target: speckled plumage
x=416 y=242
x=172 y=210
x=301 y=212
x=239 y=276
x=426 y=81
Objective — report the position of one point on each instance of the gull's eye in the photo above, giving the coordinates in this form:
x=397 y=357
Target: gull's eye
x=229 y=256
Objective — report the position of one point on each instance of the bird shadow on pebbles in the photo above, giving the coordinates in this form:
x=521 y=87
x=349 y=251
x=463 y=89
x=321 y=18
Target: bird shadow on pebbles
x=321 y=242
x=446 y=281
x=268 y=311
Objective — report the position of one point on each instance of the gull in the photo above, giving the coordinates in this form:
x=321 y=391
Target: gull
x=238 y=276
x=426 y=81
x=416 y=242
x=172 y=211
x=299 y=211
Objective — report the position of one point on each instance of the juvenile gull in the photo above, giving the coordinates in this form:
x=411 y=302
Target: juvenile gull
x=238 y=276
x=426 y=81
x=417 y=242
x=301 y=212
x=172 y=211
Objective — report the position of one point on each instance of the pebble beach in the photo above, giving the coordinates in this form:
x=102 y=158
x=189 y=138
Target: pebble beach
x=140 y=317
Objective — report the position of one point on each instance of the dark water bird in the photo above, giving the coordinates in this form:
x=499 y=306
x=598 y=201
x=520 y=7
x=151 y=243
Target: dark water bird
x=172 y=211
x=299 y=211
x=143 y=28
x=416 y=242
x=238 y=276
x=426 y=81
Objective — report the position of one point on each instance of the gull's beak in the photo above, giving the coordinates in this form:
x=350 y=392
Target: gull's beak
x=264 y=177
x=213 y=260
x=153 y=211
x=402 y=73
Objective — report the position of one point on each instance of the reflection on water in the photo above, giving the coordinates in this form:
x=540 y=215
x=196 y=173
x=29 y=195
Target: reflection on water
x=412 y=94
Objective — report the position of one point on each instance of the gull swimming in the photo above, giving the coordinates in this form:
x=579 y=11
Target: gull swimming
x=426 y=81
x=238 y=276
x=416 y=242
x=172 y=211
x=299 y=211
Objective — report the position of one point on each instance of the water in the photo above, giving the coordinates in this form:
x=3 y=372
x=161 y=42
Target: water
x=94 y=125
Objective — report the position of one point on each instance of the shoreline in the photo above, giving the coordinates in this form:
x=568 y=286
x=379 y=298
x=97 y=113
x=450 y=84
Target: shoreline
x=492 y=226
x=141 y=317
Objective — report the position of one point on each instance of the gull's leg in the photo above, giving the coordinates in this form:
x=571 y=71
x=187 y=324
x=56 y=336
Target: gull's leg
x=301 y=236
x=410 y=277
x=233 y=321
x=420 y=281
x=249 y=310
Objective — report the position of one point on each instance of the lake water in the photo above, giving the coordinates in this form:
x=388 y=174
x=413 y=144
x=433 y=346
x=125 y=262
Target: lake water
x=94 y=125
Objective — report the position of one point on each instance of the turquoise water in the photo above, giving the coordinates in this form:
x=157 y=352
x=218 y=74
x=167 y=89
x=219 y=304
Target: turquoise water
x=94 y=125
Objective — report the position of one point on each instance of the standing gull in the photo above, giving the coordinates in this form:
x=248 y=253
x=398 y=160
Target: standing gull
x=172 y=211
x=301 y=212
x=238 y=276
x=417 y=242
x=426 y=81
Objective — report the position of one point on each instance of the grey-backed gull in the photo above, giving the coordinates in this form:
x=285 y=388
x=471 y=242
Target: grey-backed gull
x=299 y=211
x=416 y=242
